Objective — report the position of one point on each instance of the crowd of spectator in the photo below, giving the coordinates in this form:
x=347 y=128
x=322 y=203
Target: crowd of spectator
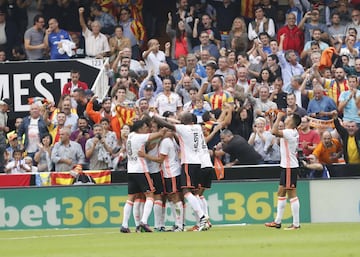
x=233 y=65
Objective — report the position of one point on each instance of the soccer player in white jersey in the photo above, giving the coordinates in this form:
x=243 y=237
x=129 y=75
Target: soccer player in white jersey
x=189 y=135
x=171 y=167
x=139 y=180
x=207 y=169
x=152 y=148
x=289 y=140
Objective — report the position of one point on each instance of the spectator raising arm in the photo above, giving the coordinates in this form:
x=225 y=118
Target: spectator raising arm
x=82 y=19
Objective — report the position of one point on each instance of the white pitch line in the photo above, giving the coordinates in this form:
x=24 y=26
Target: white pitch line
x=53 y=236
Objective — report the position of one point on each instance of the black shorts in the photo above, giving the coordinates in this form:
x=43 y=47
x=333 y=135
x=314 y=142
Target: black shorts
x=158 y=182
x=190 y=174
x=140 y=183
x=288 y=178
x=172 y=185
x=206 y=177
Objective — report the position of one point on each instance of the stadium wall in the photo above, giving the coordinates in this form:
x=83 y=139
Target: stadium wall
x=249 y=202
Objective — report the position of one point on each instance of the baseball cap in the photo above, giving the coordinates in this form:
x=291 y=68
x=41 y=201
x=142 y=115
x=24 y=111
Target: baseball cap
x=5 y=101
x=149 y=87
x=89 y=92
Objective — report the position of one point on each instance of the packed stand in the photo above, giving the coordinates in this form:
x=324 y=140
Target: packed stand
x=234 y=66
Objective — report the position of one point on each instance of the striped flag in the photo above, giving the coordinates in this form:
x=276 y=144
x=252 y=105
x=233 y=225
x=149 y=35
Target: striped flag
x=65 y=178
x=124 y=115
x=247 y=8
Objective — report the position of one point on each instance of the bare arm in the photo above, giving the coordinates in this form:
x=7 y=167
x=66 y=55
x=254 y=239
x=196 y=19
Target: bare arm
x=32 y=47
x=81 y=19
x=313 y=166
x=202 y=89
x=302 y=22
x=195 y=33
x=147 y=52
x=158 y=134
x=163 y=122
x=317 y=75
x=46 y=38
x=116 y=62
x=158 y=159
x=275 y=128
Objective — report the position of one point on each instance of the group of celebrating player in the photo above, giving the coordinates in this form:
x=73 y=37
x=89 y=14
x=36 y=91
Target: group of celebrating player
x=156 y=174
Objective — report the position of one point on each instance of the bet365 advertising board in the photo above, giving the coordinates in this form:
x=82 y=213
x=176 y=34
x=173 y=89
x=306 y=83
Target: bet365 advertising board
x=102 y=206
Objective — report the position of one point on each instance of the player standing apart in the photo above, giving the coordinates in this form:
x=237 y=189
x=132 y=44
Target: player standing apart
x=289 y=140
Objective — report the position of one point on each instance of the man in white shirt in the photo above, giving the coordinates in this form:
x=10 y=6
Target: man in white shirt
x=168 y=100
x=96 y=43
x=153 y=56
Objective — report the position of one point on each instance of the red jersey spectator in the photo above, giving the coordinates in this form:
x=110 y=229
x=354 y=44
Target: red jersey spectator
x=74 y=83
x=294 y=37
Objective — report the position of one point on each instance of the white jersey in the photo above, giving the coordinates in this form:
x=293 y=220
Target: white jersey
x=171 y=166
x=154 y=167
x=288 y=148
x=190 y=143
x=205 y=155
x=134 y=143
x=167 y=103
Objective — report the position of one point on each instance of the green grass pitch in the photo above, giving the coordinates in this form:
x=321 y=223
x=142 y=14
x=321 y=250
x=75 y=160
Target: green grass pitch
x=326 y=239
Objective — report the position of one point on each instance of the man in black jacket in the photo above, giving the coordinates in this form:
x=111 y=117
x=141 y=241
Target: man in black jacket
x=238 y=148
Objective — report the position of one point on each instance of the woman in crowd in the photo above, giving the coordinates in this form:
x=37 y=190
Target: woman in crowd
x=265 y=79
x=260 y=137
x=238 y=31
x=180 y=37
x=43 y=155
x=118 y=42
x=120 y=159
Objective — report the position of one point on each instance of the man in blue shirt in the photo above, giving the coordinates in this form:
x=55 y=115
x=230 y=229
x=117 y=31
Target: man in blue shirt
x=347 y=101
x=56 y=38
x=321 y=106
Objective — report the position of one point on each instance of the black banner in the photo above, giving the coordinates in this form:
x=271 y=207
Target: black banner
x=20 y=81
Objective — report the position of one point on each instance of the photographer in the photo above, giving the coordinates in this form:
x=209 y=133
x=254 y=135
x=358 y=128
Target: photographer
x=81 y=135
x=314 y=168
x=97 y=151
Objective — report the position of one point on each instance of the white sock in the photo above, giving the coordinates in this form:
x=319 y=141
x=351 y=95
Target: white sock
x=127 y=212
x=163 y=214
x=149 y=203
x=280 y=209
x=295 y=208
x=179 y=214
x=137 y=212
x=142 y=204
x=195 y=204
x=157 y=213
x=184 y=214
x=204 y=205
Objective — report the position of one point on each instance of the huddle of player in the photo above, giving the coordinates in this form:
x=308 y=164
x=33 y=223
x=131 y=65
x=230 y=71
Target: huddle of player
x=167 y=161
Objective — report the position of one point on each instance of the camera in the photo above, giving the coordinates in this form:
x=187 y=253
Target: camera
x=303 y=171
x=85 y=131
x=301 y=157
